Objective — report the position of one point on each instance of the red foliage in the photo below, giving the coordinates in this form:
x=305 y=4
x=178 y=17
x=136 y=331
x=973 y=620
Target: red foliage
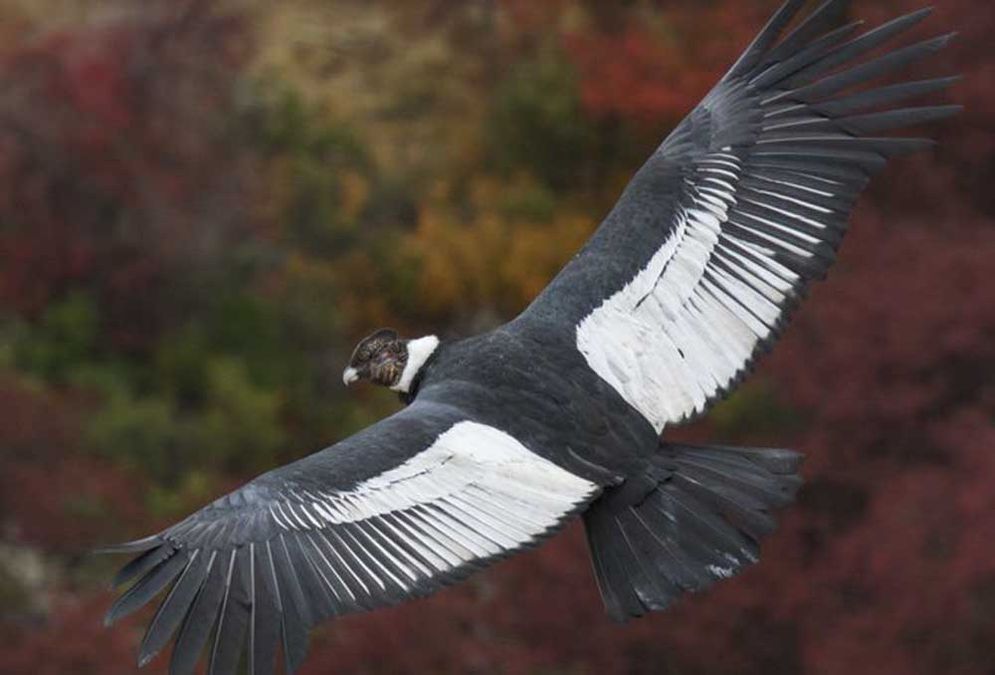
x=634 y=73
x=51 y=495
x=71 y=503
x=140 y=110
x=32 y=423
x=73 y=640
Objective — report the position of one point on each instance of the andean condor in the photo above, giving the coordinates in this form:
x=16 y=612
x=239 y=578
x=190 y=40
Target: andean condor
x=509 y=434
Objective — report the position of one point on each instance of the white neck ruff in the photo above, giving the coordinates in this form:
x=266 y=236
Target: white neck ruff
x=419 y=352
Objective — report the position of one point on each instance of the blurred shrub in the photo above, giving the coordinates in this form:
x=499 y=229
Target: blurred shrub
x=240 y=425
x=143 y=433
x=537 y=123
x=64 y=338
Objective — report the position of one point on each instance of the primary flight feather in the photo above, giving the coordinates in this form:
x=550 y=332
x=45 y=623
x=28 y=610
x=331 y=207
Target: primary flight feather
x=509 y=434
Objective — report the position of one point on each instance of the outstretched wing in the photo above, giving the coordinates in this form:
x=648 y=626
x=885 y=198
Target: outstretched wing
x=402 y=508
x=718 y=235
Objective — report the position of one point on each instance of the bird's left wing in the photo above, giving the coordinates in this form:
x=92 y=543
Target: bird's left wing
x=408 y=505
x=698 y=265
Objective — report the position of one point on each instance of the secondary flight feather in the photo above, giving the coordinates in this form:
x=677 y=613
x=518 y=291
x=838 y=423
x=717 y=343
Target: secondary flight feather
x=510 y=434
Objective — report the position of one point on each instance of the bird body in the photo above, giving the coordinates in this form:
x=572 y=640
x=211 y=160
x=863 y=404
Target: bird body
x=509 y=434
x=544 y=393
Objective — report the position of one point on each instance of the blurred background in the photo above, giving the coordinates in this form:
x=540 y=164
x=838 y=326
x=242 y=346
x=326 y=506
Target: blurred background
x=204 y=204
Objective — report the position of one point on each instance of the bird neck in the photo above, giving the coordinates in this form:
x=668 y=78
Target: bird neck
x=419 y=352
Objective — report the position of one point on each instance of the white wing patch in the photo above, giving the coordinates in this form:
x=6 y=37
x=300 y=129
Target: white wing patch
x=688 y=323
x=474 y=493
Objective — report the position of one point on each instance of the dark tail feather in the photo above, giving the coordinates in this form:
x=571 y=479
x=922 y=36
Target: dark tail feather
x=697 y=519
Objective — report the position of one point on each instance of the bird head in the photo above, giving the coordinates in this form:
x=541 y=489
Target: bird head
x=387 y=359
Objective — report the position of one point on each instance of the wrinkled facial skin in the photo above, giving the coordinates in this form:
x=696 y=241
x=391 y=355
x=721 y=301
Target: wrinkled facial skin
x=379 y=358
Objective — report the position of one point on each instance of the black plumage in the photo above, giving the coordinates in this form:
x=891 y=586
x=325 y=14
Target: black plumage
x=509 y=434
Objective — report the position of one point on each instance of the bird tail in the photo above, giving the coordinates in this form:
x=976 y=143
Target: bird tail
x=697 y=517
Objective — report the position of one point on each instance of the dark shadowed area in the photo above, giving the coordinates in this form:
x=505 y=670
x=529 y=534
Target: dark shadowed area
x=204 y=204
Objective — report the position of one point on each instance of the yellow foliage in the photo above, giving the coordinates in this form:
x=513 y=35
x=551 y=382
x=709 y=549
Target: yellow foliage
x=419 y=96
x=355 y=193
x=539 y=251
x=490 y=259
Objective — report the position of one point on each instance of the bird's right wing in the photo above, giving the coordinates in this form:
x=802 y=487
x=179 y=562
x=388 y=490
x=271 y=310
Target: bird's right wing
x=402 y=508
x=697 y=267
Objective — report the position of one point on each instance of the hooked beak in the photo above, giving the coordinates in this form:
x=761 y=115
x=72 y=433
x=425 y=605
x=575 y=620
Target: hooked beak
x=349 y=375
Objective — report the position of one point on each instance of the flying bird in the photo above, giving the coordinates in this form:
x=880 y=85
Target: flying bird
x=508 y=435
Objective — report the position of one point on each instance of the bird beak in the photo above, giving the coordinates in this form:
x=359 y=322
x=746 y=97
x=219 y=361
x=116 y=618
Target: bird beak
x=349 y=375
